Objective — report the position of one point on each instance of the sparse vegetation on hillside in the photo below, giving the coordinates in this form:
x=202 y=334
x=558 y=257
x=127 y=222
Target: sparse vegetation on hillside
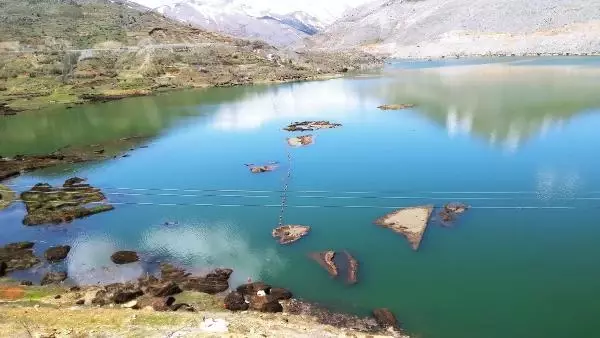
x=63 y=51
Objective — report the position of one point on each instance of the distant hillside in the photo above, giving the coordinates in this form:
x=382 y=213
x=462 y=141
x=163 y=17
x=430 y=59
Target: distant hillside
x=424 y=28
x=65 y=51
x=240 y=20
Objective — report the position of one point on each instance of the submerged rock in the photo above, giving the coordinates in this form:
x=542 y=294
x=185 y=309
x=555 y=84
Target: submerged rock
x=18 y=256
x=48 y=205
x=124 y=257
x=450 y=212
x=396 y=106
x=300 y=141
x=235 y=301
x=409 y=222
x=325 y=259
x=57 y=254
x=352 y=277
x=257 y=169
x=311 y=125
x=386 y=319
x=7 y=196
x=53 y=278
x=290 y=233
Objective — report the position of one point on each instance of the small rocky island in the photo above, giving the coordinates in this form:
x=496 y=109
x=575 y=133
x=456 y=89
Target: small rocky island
x=396 y=106
x=257 y=169
x=327 y=259
x=290 y=233
x=409 y=222
x=311 y=125
x=450 y=212
x=300 y=141
x=54 y=205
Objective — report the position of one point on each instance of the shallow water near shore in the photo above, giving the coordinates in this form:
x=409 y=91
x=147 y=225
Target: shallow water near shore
x=516 y=139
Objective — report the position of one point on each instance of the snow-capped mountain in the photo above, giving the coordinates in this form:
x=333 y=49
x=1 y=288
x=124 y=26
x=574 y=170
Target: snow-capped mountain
x=280 y=23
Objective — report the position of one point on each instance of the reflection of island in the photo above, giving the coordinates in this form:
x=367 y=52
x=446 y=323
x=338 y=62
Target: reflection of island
x=46 y=131
x=504 y=104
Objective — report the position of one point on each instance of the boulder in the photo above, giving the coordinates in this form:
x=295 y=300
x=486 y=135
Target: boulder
x=163 y=304
x=252 y=288
x=214 y=282
x=53 y=278
x=280 y=293
x=385 y=318
x=235 y=301
x=3 y=268
x=164 y=289
x=131 y=305
x=124 y=257
x=326 y=260
x=182 y=307
x=125 y=296
x=290 y=233
x=57 y=253
x=265 y=303
x=26 y=283
x=18 y=256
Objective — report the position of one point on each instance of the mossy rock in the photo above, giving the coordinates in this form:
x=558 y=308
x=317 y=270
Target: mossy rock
x=7 y=196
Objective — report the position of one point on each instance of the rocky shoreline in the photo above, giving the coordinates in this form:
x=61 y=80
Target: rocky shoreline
x=163 y=293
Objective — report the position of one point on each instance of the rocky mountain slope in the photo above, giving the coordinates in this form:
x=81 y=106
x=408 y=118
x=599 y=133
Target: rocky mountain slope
x=277 y=23
x=433 y=28
x=243 y=21
x=65 y=51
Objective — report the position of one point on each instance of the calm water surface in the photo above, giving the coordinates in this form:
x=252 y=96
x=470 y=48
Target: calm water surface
x=517 y=139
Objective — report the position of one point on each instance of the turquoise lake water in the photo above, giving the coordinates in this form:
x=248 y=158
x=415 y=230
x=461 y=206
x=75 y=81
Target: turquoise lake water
x=517 y=139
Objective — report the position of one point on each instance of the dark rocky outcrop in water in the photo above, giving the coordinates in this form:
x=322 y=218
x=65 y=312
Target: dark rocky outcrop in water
x=53 y=278
x=352 y=277
x=124 y=257
x=311 y=125
x=290 y=233
x=235 y=301
x=18 y=256
x=386 y=319
x=325 y=259
x=48 y=205
x=450 y=212
x=26 y=283
x=57 y=253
